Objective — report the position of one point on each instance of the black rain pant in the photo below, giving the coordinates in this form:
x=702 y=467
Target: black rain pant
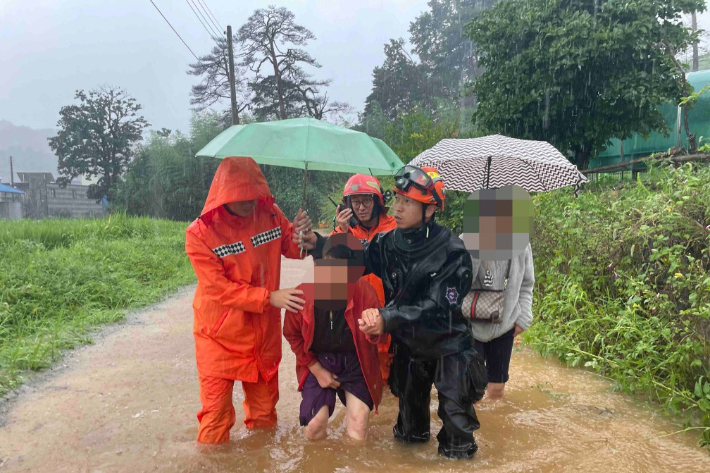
x=460 y=380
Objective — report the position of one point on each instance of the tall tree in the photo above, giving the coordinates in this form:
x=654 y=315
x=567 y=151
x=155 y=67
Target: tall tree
x=269 y=39
x=213 y=68
x=577 y=73
x=266 y=103
x=440 y=41
x=96 y=137
x=317 y=104
x=399 y=83
x=447 y=62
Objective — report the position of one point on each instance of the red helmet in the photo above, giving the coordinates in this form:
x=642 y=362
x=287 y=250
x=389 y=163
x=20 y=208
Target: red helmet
x=362 y=184
x=423 y=184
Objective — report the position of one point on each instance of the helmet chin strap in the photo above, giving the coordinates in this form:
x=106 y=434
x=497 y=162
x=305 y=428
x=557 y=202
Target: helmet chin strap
x=424 y=222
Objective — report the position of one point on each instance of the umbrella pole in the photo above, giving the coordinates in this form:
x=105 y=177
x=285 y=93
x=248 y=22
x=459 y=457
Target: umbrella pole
x=303 y=204
x=305 y=181
x=488 y=173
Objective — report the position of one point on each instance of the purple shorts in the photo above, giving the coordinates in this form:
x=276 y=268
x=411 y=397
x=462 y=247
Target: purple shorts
x=346 y=367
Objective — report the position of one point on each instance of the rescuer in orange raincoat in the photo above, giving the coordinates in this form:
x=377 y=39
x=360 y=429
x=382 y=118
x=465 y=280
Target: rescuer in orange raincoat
x=364 y=215
x=235 y=248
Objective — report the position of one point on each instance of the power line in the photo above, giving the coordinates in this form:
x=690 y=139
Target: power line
x=209 y=32
x=215 y=32
x=171 y=26
x=204 y=2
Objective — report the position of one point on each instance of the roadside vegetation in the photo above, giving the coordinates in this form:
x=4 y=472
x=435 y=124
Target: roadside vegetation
x=623 y=285
x=61 y=278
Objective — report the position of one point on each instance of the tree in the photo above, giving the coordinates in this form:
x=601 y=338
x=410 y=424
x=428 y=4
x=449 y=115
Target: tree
x=577 y=73
x=319 y=106
x=448 y=60
x=268 y=39
x=166 y=179
x=440 y=41
x=373 y=121
x=421 y=129
x=96 y=138
x=214 y=87
x=266 y=103
x=399 y=83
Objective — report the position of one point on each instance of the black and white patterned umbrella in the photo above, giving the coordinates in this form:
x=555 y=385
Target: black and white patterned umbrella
x=496 y=161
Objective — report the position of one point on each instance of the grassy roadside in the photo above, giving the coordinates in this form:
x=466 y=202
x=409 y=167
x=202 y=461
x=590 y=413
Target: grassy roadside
x=60 y=278
x=623 y=286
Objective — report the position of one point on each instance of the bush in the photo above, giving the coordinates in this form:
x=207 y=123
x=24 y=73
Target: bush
x=623 y=285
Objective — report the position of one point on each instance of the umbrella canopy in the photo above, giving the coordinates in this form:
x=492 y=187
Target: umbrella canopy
x=496 y=161
x=305 y=143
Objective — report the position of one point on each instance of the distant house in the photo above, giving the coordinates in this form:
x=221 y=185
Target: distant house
x=10 y=202
x=45 y=198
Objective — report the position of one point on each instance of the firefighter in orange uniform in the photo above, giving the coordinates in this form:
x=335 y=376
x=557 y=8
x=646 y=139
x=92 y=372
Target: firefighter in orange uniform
x=235 y=248
x=364 y=215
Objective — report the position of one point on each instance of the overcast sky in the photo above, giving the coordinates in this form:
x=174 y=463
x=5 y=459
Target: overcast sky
x=50 y=48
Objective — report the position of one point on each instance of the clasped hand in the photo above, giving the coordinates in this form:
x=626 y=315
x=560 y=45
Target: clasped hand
x=371 y=322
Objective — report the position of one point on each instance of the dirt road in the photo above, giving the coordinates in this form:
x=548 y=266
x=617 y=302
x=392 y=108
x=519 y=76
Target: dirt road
x=128 y=403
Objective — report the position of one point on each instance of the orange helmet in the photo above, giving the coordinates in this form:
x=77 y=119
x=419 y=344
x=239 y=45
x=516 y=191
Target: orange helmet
x=423 y=184
x=362 y=184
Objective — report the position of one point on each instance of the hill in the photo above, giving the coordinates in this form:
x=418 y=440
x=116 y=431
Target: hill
x=29 y=149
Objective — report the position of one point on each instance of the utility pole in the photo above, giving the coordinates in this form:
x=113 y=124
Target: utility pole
x=12 y=174
x=696 y=59
x=232 y=88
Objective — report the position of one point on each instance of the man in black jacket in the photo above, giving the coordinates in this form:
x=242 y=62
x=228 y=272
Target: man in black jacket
x=426 y=272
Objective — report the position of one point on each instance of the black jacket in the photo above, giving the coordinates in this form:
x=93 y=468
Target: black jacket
x=425 y=279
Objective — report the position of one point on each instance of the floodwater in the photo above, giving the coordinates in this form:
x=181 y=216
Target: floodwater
x=128 y=403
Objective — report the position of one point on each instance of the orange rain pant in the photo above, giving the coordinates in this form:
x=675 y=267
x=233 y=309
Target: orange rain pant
x=217 y=415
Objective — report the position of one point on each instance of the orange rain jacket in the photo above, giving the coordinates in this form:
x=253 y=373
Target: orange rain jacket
x=238 y=263
x=364 y=234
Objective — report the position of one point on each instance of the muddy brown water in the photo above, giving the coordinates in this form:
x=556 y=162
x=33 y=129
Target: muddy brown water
x=128 y=403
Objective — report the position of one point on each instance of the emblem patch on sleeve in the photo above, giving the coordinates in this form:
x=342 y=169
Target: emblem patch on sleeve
x=452 y=295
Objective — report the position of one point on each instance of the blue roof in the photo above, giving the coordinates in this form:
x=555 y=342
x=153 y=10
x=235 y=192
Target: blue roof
x=6 y=188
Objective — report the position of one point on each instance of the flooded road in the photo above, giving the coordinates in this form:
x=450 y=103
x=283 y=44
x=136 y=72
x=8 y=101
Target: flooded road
x=128 y=403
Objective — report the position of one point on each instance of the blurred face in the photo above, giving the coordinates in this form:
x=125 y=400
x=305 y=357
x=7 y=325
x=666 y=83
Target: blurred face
x=335 y=273
x=363 y=205
x=242 y=208
x=497 y=223
x=333 y=280
x=408 y=212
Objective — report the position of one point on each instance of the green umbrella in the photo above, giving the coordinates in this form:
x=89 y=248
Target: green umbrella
x=305 y=143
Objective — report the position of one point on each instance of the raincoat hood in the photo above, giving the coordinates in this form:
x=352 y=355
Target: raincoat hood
x=237 y=179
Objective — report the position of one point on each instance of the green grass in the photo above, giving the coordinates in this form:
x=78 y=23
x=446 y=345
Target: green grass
x=623 y=285
x=61 y=278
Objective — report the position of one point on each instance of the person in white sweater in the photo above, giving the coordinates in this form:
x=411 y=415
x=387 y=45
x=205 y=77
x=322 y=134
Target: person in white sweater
x=494 y=341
